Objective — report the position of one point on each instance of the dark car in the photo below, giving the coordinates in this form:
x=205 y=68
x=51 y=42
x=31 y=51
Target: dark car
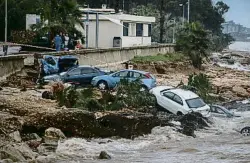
x=222 y=112
x=81 y=75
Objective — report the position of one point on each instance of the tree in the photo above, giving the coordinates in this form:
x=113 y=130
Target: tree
x=193 y=41
x=152 y=10
x=17 y=10
x=61 y=16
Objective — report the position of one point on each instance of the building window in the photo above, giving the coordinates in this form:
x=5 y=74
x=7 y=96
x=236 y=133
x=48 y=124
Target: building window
x=139 y=29
x=149 y=30
x=125 y=29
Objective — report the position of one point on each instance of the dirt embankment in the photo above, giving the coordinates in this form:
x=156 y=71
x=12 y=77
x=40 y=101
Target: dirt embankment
x=228 y=83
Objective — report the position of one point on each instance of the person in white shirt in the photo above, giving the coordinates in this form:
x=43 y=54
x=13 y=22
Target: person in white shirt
x=66 y=43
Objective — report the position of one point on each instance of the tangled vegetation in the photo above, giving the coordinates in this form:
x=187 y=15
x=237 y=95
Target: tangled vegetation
x=128 y=95
x=200 y=84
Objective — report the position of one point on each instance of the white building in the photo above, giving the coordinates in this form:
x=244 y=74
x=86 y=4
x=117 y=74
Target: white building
x=119 y=30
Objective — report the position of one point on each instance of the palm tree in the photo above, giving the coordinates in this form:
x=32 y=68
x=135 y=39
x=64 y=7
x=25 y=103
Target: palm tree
x=193 y=41
x=59 y=16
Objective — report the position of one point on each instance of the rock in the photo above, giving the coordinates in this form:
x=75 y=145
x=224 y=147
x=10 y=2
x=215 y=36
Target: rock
x=47 y=148
x=17 y=152
x=104 y=155
x=54 y=133
x=248 y=90
x=231 y=61
x=6 y=161
x=48 y=95
x=25 y=150
x=46 y=159
x=245 y=61
x=241 y=92
x=16 y=136
x=10 y=123
x=32 y=140
x=30 y=136
x=9 y=152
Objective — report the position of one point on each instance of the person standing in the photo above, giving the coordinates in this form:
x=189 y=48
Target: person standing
x=66 y=42
x=58 y=42
x=63 y=40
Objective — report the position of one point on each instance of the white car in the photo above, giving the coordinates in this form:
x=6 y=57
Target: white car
x=180 y=101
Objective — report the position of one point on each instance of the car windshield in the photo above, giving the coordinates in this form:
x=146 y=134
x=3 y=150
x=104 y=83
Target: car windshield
x=195 y=103
x=226 y=111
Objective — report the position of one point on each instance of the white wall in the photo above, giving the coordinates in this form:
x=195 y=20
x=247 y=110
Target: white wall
x=107 y=31
x=135 y=41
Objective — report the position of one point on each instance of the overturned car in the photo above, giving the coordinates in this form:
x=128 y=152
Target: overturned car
x=56 y=64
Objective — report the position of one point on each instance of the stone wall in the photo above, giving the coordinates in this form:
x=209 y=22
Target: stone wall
x=10 y=65
x=113 y=57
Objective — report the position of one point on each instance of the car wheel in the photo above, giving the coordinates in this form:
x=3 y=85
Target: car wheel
x=102 y=85
x=245 y=131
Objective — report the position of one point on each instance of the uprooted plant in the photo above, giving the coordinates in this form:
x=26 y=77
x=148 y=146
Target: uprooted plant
x=200 y=84
x=129 y=95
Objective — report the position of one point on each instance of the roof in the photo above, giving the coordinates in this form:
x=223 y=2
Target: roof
x=142 y=72
x=186 y=94
x=123 y=17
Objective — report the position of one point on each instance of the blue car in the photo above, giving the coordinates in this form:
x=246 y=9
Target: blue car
x=110 y=81
x=54 y=64
x=81 y=75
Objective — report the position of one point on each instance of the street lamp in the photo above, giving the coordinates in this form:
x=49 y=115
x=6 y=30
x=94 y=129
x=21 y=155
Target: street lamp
x=87 y=28
x=183 y=14
x=174 y=22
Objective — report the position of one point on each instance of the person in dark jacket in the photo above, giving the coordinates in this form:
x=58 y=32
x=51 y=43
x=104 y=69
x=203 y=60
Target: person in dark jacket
x=58 y=42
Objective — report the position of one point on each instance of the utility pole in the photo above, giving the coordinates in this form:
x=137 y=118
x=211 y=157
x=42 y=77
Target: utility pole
x=97 y=31
x=123 y=6
x=5 y=47
x=87 y=29
x=188 y=11
x=174 y=32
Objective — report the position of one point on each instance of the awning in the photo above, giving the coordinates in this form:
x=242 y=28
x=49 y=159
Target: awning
x=116 y=21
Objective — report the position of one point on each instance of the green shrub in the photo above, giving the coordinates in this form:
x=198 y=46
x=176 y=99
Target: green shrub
x=129 y=95
x=67 y=97
x=169 y=57
x=200 y=84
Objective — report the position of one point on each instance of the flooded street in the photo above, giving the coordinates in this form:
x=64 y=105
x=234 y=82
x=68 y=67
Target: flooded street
x=220 y=143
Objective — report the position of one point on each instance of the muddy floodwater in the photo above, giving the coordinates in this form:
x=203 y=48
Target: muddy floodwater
x=221 y=143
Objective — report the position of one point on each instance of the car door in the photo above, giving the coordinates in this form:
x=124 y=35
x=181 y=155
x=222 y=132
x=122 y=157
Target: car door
x=166 y=101
x=217 y=112
x=178 y=105
x=122 y=75
x=73 y=76
x=87 y=74
x=132 y=76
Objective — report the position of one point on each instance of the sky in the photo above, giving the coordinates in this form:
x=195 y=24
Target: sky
x=239 y=11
